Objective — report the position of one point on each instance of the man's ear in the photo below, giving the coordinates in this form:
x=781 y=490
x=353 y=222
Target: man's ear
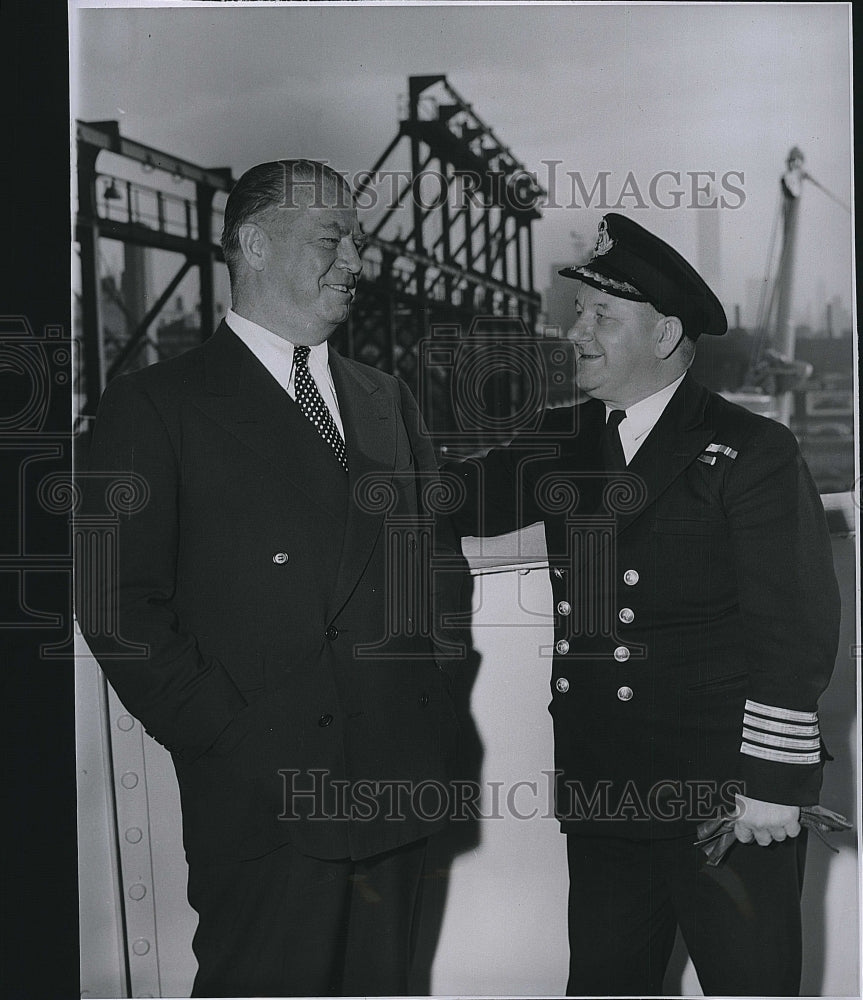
x=253 y=244
x=670 y=333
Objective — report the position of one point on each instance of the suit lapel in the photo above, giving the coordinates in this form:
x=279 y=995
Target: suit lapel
x=244 y=398
x=368 y=418
x=677 y=439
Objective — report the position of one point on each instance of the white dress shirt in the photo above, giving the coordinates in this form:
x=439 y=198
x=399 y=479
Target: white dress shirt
x=641 y=418
x=277 y=355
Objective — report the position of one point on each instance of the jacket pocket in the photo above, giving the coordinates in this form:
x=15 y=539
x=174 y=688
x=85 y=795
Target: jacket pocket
x=234 y=734
x=247 y=672
x=725 y=683
x=688 y=526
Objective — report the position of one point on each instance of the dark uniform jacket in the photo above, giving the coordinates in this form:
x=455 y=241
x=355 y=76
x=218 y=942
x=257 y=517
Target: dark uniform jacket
x=264 y=587
x=696 y=609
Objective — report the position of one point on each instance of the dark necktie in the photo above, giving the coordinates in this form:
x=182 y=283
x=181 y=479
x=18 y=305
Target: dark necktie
x=612 y=450
x=312 y=404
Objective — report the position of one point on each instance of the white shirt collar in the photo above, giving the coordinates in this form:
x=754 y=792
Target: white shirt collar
x=642 y=417
x=274 y=352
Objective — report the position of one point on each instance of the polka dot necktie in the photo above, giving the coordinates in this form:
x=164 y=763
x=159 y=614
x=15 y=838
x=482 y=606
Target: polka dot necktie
x=612 y=450
x=313 y=406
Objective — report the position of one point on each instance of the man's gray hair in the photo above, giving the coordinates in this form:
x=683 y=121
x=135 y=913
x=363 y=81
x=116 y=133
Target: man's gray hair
x=282 y=184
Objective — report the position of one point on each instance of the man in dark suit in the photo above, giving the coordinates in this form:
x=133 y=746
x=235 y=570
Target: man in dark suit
x=696 y=624
x=267 y=574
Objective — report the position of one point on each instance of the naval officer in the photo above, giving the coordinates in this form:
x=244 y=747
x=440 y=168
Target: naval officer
x=696 y=624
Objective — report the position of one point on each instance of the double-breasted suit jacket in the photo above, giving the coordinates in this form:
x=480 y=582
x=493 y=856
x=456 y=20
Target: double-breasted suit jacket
x=695 y=610
x=266 y=587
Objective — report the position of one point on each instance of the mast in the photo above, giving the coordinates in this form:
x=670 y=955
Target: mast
x=784 y=339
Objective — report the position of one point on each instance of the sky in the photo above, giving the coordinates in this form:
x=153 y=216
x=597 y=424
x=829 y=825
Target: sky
x=628 y=90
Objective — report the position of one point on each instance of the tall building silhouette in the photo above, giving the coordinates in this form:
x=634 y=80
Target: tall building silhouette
x=708 y=235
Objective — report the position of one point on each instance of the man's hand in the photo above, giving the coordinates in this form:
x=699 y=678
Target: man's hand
x=764 y=822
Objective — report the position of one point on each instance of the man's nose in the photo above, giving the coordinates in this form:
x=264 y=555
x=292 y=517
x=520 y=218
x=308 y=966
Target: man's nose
x=349 y=258
x=581 y=330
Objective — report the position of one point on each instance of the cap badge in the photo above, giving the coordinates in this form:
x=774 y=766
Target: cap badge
x=604 y=242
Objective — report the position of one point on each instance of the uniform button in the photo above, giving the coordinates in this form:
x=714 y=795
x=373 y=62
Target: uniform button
x=624 y=693
x=621 y=654
x=562 y=646
x=626 y=615
x=325 y=720
x=331 y=633
x=562 y=685
x=630 y=577
x=424 y=699
x=564 y=607
x=280 y=557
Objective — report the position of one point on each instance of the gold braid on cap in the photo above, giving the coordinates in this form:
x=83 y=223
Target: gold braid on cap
x=606 y=282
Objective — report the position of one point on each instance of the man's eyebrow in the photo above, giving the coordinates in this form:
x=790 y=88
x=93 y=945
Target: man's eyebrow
x=334 y=227
x=596 y=304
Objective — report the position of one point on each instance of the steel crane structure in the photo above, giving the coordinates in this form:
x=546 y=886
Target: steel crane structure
x=448 y=274
x=145 y=216
x=447 y=299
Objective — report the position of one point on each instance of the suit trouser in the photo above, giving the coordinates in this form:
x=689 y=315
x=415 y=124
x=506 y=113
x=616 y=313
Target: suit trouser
x=740 y=920
x=290 y=925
